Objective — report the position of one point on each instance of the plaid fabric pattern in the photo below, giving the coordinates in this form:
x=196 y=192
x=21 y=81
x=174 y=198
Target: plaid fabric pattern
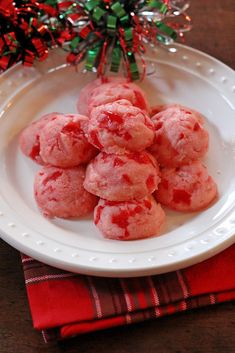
x=64 y=304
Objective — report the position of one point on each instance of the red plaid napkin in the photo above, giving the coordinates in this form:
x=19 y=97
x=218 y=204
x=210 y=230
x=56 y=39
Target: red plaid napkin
x=64 y=304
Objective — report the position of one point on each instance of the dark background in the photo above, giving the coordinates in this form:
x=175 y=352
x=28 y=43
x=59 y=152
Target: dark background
x=206 y=330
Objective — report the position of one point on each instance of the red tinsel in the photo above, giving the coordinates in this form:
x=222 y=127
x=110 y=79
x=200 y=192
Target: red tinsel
x=102 y=31
x=23 y=36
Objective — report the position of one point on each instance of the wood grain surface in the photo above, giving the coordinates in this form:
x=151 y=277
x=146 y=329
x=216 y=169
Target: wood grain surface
x=207 y=330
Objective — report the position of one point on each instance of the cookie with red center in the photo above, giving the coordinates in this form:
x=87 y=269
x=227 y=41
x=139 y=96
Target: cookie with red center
x=160 y=107
x=29 y=138
x=186 y=188
x=122 y=177
x=60 y=192
x=129 y=220
x=180 y=137
x=86 y=91
x=63 y=141
x=119 y=126
x=115 y=89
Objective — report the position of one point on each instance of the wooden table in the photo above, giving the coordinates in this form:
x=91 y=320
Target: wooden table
x=207 y=330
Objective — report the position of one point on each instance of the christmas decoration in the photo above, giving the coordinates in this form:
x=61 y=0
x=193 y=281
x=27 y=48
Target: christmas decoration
x=102 y=33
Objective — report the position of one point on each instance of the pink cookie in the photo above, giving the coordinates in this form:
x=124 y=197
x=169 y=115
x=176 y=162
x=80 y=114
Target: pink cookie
x=186 y=188
x=63 y=141
x=113 y=91
x=86 y=91
x=180 y=138
x=117 y=126
x=29 y=138
x=60 y=192
x=122 y=177
x=188 y=111
x=129 y=220
x=84 y=95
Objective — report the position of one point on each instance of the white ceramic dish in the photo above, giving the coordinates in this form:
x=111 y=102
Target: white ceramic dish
x=182 y=75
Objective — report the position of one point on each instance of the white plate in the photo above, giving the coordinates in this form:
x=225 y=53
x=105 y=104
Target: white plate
x=185 y=76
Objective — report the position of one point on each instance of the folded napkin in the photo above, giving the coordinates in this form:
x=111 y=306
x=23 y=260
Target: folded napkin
x=64 y=304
